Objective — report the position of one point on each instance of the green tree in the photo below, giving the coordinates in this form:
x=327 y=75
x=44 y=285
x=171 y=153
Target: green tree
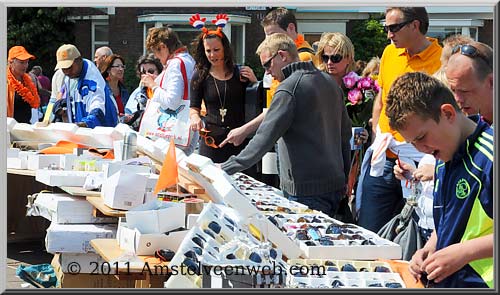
x=368 y=38
x=41 y=31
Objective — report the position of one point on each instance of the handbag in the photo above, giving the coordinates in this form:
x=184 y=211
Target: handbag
x=402 y=229
x=168 y=123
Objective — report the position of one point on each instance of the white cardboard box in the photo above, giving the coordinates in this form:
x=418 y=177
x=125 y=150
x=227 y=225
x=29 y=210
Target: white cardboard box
x=17 y=159
x=41 y=161
x=124 y=190
x=130 y=165
x=75 y=238
x=157 y=217
x=146 y=244
x=67 y=209
x=63 y=178
x=88 y=262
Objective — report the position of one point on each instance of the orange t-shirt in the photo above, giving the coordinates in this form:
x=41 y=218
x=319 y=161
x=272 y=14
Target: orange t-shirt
x=397 y=61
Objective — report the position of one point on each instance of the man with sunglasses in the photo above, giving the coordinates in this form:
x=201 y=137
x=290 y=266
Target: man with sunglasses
x=470 y=76
x=313 y=145
x=380 y=194
x=278 y=20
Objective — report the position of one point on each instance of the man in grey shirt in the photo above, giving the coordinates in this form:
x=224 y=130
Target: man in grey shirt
x=308 y=116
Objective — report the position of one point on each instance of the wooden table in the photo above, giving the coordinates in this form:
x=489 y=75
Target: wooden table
x=110 y=251
x=80 y=191
x=102 y=210
x=24 y=172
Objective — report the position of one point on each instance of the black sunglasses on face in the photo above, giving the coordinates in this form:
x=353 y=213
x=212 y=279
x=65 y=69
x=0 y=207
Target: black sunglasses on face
x=267 y=64
x=470 y=51
x=149 y=71
x=394 y=28
x=336 y=58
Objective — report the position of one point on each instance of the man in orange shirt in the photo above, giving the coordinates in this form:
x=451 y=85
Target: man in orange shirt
x=381 y=196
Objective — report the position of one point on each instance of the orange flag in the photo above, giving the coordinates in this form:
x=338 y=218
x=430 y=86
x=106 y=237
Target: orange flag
x=168 y=174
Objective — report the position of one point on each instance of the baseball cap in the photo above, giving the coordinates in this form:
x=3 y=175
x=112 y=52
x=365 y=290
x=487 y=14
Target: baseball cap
x=66 y=54
x=20 y=53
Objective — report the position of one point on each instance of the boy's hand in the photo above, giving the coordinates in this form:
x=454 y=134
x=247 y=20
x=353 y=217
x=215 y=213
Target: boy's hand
x=424 y=172
x=402 y=170
x=441 y=264
x=416 y=263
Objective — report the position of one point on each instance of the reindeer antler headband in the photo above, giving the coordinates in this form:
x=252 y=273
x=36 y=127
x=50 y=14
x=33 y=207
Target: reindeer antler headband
x=220 y=21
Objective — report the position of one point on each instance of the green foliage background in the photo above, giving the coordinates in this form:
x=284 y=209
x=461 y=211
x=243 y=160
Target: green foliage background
x=368 y=38
x=41 y=31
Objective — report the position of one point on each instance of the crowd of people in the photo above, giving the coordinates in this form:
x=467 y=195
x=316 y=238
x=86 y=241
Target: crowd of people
x=430 y=121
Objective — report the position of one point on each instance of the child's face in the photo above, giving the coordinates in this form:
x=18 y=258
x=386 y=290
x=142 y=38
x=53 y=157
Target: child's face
x=429 y=137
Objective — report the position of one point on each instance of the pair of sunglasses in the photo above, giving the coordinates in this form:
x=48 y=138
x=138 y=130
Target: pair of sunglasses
x=470 y=51
x=394 y=28
x=209 y=140
x=336 y=58
x=267 y=64
x=149 y=71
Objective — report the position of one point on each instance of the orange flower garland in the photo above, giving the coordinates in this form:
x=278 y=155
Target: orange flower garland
x=29 y=93
x=299 y=41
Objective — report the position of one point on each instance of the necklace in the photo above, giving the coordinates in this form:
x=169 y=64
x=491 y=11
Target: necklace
x=222 y=110
x=28 y=93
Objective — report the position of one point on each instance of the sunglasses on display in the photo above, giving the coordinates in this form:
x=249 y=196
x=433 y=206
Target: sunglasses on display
x=267 y=64
x=336 y=58
x=209 y=140
x=394 y=28
x=470 y=51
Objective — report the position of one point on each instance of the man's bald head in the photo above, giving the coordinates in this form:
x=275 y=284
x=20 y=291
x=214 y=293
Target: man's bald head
x=100 y=55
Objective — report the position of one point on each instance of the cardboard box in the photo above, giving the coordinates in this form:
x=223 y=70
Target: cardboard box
x=24 y=132
x=131 y=165
x=67 y=209
x=237 y=279
x=75 y=238
x=146 y=244
x=63 y=178
x=124 y=190
x=41 y=161
x=17 y=159
x=87 y=280
x=157 y=217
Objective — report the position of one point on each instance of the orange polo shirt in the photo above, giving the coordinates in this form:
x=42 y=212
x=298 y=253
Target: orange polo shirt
x=397 y=61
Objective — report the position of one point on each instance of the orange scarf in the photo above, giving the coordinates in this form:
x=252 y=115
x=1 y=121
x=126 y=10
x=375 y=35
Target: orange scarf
x=27 y=90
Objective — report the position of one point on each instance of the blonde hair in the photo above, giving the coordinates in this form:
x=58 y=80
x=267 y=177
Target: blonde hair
x=341 y=45
x=276 y=42
x=371 y=67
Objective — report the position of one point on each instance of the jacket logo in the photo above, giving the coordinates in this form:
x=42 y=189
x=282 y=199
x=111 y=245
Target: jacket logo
x=462 y=190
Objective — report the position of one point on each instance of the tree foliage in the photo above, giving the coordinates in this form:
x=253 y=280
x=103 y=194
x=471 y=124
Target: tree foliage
x=368 y=38
x=41 y=31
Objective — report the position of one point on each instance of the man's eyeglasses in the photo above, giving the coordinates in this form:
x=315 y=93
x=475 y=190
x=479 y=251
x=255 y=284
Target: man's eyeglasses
x=336 y=58
x=470 y=51
x=149 y=71
x=209 y=140
x=119 y=66
x=267 y=64
x=394 y=28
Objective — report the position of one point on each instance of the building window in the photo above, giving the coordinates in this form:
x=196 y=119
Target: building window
x=100 y=34
x=237 y=44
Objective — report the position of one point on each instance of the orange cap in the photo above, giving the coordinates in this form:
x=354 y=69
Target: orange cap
x=20 y=53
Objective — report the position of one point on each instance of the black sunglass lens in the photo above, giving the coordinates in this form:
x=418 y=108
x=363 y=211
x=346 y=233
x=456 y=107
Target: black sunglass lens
x=191 y=265
x=273 y=253
x=197 y=241
x=214 y=226
x=255 y=257
x=325 y=58
x=209 y=233
x=198 y=250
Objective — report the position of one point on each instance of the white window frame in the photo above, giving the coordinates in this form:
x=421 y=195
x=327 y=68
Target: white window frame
x=97 y=44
